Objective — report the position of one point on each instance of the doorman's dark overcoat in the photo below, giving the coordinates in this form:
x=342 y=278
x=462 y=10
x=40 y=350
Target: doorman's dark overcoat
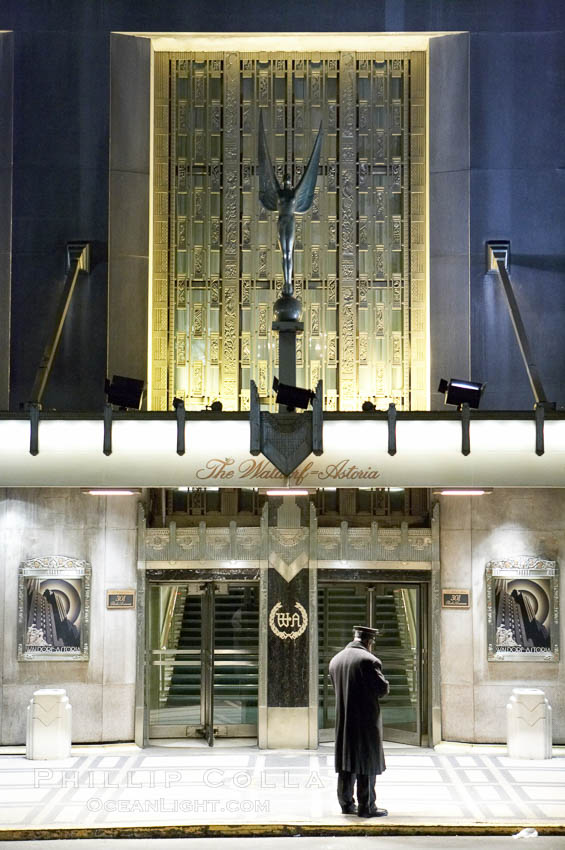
x=358 y=683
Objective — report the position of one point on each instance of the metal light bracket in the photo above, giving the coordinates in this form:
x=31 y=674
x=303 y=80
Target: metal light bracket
x=498 y=250
x=79 y=251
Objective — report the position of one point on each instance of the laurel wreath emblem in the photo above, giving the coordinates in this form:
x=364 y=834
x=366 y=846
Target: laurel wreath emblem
x=285 y=635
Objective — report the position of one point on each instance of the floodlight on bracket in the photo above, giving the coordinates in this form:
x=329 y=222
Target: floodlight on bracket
x=78 y=252
x=498 y=261
x=498 y=250
x=78 y=260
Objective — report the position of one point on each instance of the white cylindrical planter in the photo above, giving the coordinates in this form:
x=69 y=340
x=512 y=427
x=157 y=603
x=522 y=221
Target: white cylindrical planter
x=49 y=716
x=528 y=716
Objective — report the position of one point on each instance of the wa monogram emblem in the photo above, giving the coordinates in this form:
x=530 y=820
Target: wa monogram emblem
x=286 y=625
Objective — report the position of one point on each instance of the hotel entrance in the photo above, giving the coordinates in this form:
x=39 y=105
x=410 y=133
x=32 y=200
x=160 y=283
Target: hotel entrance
x=398 y=610
x=203 y=650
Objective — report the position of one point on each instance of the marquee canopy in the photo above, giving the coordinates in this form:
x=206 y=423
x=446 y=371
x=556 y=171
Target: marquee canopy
x=144 y=452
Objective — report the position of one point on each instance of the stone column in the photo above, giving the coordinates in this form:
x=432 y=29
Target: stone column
x=289 y=628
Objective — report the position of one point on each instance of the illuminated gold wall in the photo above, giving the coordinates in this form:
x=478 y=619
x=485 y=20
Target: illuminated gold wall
x=360 y=253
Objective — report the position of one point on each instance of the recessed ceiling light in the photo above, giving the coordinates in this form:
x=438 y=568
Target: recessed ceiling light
x=286 y=491
x=100 y=491
x=468 y=492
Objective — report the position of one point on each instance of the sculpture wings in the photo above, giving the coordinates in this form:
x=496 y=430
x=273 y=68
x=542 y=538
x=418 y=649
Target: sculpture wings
x=304 y=192
x=270 y=188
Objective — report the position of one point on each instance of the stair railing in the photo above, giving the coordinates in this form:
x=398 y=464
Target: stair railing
x=408 y=630
x=175 y=602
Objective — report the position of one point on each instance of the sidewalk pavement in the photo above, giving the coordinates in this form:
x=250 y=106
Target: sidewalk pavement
x=233 y=789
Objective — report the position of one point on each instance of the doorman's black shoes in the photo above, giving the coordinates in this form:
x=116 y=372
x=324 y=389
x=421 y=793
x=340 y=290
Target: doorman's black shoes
x=372 y=813
x=349 y=810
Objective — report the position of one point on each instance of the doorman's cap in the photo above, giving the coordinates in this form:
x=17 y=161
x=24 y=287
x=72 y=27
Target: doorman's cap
x=366 y=631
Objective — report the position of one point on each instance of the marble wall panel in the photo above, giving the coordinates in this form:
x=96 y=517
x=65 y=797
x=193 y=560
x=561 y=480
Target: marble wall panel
x=86 y=702
x=129 y=205
x=458 y=713
x=449 y=93
x=490 y=710
x=520 y=508
x=120 y=625
x=117 y=723
x=455 y=513
x=59 y=521
x=2 y=615
x=456 y=562
x=449 y=140
x=288 y=728
x=130 y=230
x=120 y=512
x=127 y=354
x=119 y=647
x=457 y=661
x=449 y=322
x=507 y=523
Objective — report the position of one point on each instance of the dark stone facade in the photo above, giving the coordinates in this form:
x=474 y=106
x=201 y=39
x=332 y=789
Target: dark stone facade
x=61 y=79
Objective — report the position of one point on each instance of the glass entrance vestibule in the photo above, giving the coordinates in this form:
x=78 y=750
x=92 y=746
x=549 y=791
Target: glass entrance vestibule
x=203 y=645
x=399 y=611
x=204 y=658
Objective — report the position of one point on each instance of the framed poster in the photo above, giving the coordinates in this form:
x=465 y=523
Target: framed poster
x=54 y=609
x=522 y=610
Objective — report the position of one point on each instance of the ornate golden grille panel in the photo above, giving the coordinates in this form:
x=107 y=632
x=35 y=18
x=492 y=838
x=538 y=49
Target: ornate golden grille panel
x=360 y=252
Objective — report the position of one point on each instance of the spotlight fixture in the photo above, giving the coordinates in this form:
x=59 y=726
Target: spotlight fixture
x=177 y=402
x=292 y=397
x=458 y=392
x=125 y=393
x=216 y=407
x=368 y=407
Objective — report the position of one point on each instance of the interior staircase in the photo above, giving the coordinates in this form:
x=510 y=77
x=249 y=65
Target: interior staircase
x=235 y=656
x=340 y=607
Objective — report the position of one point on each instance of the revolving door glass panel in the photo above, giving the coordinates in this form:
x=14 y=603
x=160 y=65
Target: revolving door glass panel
x=203 y=649
x=396 y=610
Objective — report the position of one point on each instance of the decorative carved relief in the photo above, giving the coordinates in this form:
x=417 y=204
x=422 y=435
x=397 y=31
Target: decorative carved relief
x=246 y=348
x=262 y=321
x=214 y=349
x=197 y=320
x=181 y=349
x=363 y=348
x=197 y=378
x=379 y=320
x=315 y=319
x=262 y=377
x=332 y=347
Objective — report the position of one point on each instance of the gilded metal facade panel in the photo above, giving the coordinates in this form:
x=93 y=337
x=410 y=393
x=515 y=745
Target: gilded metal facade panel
x=418 y=271
x=347 y=234
x=159 y=342
x=360 y=252
x=229 y=390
